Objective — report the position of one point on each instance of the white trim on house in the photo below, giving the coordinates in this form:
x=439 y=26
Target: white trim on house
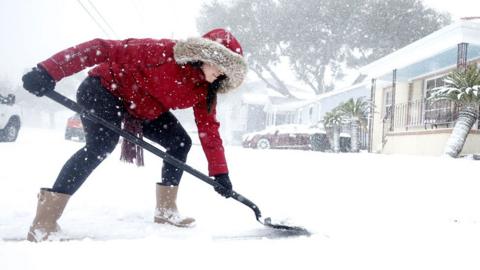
x=439 y=71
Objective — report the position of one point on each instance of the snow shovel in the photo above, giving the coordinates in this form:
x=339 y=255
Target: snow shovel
x=287 y=230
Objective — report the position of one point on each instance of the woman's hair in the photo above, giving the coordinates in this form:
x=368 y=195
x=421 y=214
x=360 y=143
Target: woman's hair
x=212 y=91
x=197 y=64
x=212 y=87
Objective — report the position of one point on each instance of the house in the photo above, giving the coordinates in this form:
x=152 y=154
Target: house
x=266 y=107
x=405 y=121
x=314 y=111
x=311 y=111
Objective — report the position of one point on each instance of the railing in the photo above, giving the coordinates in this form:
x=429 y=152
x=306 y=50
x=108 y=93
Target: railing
x=421 y=113
x=441 y=113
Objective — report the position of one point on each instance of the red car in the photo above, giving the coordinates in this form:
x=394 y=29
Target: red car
x=293 y=137
x=74 y=128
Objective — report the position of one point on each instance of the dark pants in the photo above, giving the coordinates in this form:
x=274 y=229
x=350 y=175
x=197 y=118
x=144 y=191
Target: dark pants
x=100 y=141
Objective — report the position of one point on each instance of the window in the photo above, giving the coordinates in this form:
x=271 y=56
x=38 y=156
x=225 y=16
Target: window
x=437 y=112
x=433 y=83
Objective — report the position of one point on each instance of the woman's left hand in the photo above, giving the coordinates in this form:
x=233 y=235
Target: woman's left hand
x=225 y=187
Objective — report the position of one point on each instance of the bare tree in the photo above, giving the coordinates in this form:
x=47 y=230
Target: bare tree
x=320 y=38
x=253 y=23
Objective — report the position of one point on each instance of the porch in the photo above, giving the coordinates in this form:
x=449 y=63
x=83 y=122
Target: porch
x=422 y=127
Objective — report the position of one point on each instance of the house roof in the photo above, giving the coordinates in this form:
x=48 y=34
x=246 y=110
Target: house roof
x=463 y=31
x=294 y=105
x=257 y=92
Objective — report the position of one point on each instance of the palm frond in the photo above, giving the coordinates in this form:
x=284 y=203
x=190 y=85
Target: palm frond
x=460 y=86
x=333 y=118
x=356 y=108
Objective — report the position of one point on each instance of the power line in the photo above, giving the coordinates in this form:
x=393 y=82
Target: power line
x=93 y=18
x=103 y=19
x=135 y=4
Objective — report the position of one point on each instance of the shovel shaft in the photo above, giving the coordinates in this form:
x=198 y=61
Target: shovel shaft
x=72 y=105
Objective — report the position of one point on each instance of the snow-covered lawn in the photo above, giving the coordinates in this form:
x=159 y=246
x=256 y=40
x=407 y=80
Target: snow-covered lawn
x=366 y=211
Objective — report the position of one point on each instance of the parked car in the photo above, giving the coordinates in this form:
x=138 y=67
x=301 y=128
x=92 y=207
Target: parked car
x=9 y=118
x=293 y=137
x=74 y=128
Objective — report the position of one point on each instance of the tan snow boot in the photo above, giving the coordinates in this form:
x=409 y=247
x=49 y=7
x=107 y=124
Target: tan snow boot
x=166 y=211
x=49 y=209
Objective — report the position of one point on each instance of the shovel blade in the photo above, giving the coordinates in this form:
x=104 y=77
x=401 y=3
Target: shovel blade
x=286 y=230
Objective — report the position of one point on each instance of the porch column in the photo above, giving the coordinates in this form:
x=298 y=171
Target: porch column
x=394 y=88
x=462 y=56
x=373 y=86
x=274 y=117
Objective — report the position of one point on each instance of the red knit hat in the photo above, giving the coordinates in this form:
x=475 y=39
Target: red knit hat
x=225 y=38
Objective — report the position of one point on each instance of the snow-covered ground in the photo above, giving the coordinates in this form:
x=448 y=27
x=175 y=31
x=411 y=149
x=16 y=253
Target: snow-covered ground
x=366 y=211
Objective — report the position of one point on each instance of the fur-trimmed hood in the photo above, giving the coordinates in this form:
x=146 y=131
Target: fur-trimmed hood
x=217 y=47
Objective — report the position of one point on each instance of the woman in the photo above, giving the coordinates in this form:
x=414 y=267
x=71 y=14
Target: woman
x=138 y=81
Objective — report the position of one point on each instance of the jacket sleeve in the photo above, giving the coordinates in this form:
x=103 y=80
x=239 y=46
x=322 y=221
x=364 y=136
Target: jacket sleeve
x=97 y=51
x=210 y=139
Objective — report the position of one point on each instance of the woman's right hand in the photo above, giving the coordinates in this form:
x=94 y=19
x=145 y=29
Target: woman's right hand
x=38 y=81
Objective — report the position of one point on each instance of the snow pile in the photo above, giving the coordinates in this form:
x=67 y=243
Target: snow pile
x=366 y=211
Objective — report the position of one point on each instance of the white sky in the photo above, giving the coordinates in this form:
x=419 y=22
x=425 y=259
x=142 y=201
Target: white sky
x=457 y=8
x=33 y=30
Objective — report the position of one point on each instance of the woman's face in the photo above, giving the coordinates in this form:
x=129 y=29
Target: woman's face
x=211 y=72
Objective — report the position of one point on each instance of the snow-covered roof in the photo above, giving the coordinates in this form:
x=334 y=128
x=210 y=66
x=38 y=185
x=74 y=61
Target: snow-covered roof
x=255 y=99
x=463 y=31
x=293 y=105
x=258 y=92
x=362 y=84
x=290 y=105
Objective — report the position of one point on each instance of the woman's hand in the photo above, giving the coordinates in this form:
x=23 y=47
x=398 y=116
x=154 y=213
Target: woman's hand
x=38 y=81
x=225 y=188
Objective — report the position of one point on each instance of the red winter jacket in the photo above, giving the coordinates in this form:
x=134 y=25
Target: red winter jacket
x=144 y=73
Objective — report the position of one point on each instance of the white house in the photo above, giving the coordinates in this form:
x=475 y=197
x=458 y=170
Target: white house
x=405 y=121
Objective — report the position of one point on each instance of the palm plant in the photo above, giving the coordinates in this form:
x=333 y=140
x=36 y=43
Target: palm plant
x=356 y=113
x=332 y=122
x=463 y=88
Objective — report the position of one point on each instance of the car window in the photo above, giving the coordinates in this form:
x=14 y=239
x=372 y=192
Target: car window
x=3 y=100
